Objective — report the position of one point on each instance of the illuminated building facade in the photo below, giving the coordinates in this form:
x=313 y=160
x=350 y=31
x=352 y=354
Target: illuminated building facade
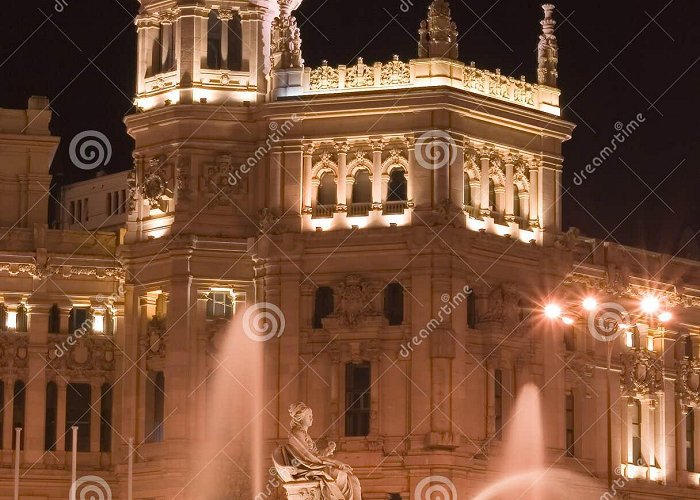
x=361 y=201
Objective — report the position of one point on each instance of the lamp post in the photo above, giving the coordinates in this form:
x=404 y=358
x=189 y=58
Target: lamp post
x=607 y=322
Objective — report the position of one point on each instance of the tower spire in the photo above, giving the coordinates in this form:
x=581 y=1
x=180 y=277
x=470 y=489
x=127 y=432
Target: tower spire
x=286 y=37
x=438 y=34
x=547 y=49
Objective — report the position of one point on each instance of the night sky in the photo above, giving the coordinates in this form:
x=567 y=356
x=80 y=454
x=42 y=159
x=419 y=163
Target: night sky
x=617 y=59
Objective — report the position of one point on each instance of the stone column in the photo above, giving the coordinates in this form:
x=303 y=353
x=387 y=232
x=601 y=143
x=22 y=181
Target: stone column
x=225 y=15
x=534 y=197
x=484 y=183
x=411 y=176
x=377 y=194
x=306 y=182
x=35 y=391
x=457 y=177
x=275 y=180
x=510 y=196
x=343 y=149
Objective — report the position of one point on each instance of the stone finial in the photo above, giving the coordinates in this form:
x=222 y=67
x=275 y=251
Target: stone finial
x=286 y=37
x=547 y=49
x=438 y=34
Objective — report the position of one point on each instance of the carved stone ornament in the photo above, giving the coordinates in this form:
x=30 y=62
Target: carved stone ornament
x=688 y=384
x=395 y=72
x=324 y=77
x=268 y=222
x=359 y=75
x=354 y=301
x=216 y=181
x=438 y=34
x=286 y=43
x=153 y=340
x=155 y=185
x=132 y=185
x=642 y=374
x=503 y=304
x=13 y=351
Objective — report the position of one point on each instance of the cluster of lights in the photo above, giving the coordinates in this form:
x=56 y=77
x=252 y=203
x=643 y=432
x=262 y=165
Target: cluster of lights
x=649 y=305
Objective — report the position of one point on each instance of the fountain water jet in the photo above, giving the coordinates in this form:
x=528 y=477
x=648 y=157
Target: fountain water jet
x=230 y=456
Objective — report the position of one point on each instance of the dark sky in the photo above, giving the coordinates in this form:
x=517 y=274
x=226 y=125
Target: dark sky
x=617 y=59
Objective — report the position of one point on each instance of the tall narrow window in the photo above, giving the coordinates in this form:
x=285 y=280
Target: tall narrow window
x=78 y=319
x=22 y=318
x=467 y=190
x=397 y=186
x=155 y=406
x=498 y=401
x=54 y=319
x=362 y=188
x=214 y=41
x=471 y=309
x=51 y=416
x=327 y=190
x=492 y=195
x=78 y=400
x=106 y=419
x=156 y=58
x=516 y=201
x=393 y=303
x=569 y=425
x=636 y=410
x=690 y=440
x=323 y=305
x=688 y=347
x=235 y=44
x=122 y=205
x=18 y=410
x=357 y=399
x=220 y=305
x=108 y=211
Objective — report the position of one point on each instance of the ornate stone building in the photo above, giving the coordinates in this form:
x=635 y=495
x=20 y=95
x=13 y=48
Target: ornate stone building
x=405 y=218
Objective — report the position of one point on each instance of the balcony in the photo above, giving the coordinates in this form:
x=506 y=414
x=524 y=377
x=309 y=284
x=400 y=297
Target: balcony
x=394 y=207
x=359 y=209
x=323 y=211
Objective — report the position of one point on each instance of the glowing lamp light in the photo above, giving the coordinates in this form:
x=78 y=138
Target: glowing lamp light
x=568 y=320
x=552 y=311
x=649 y=304
x=98 y=323
x=590 y=304
x=665 y=316
x=11 y=320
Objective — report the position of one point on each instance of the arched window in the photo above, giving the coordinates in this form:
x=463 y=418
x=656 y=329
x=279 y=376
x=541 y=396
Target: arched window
x=636 y=420
x=397 y=186
x=214 y=41
x=155 y=406
x=18 y=411
x=22 y=318
x=516 y=201
x=54 y=319
x=51 y=416
x=323 y=305
x=327 y=190
x=362 y=188
x=393 y=303
x=234 y=57
x=492 y=195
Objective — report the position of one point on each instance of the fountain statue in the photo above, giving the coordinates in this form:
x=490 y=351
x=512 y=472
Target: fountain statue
x=306 y=472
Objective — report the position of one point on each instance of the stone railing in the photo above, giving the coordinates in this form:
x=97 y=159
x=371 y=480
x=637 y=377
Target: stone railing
x=359 y=209
x=415 y=73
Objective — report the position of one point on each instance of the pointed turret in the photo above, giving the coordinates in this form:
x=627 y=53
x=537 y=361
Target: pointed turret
x=286 y=37
x=438 y=34
x=547 y=49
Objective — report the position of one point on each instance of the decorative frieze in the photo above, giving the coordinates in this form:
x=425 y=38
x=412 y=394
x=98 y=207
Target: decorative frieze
x=642 y=374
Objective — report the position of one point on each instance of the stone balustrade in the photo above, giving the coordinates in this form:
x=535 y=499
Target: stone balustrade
x=416 y=73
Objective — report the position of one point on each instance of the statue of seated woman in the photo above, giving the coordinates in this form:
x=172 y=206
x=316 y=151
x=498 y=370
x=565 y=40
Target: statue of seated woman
x=300 y=460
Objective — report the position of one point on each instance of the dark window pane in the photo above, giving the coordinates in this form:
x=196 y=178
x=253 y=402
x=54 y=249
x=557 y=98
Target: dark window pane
x=393 y=303
x=54 y=319
x=155 y=406
x=323 y=305
x=357 y=399
x=106 y=419
x=18 y=410
x=51 y=416
x=78 y=399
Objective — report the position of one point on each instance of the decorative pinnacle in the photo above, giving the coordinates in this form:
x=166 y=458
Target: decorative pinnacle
x=548 y=22
x=547 y=49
